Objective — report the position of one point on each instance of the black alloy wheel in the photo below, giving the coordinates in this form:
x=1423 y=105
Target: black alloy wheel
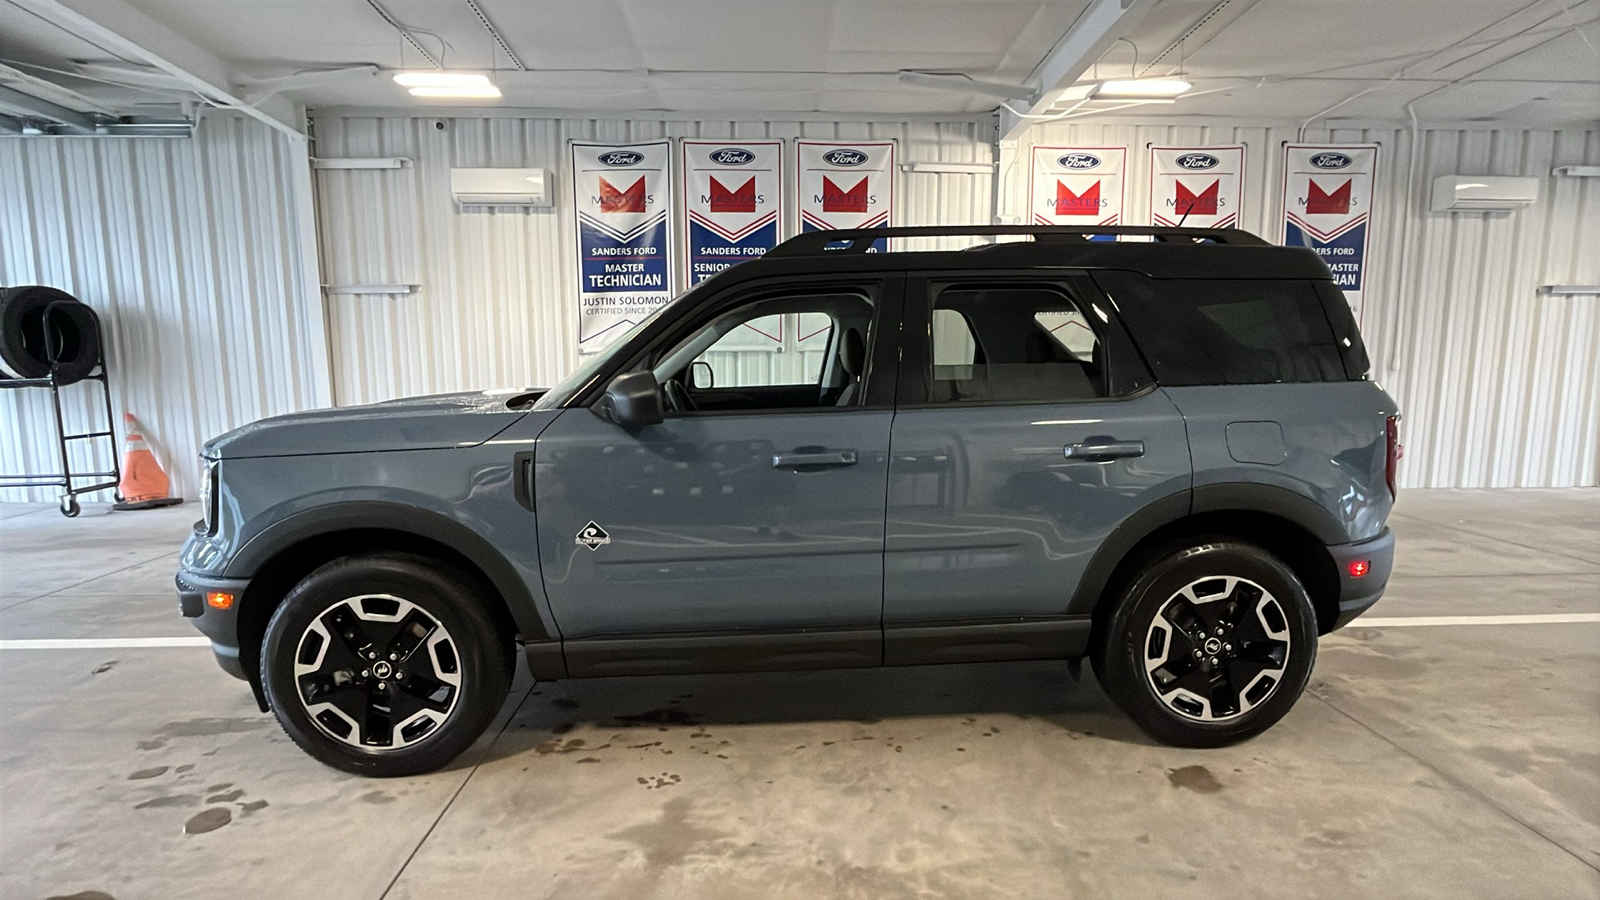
x=385 y=664
x=1208 y=643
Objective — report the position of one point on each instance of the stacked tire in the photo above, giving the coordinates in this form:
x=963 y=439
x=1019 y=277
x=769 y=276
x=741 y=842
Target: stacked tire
x=39 y=323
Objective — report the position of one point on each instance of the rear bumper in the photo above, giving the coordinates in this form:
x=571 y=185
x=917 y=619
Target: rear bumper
x=1357 y=593
x=220 y=625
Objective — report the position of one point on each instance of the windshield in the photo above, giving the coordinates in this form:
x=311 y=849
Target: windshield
x=568 y=386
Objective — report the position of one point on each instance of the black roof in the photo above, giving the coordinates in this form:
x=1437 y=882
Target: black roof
x=1172 y=252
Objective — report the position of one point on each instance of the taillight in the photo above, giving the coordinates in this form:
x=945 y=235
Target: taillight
x=1395 y=452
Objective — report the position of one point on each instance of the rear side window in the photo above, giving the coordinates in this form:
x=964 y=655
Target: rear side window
x=1196 y=332
x=1012 y=343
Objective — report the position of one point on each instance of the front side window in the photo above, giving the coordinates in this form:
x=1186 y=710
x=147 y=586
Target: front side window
x=1005 y=343
x=785 y=349
x=772 y=352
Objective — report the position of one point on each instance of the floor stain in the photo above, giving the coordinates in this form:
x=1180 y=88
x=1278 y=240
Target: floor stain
x=82 y=895
x=208 y=820
x=229 y=797
x=1196 y=778
x=184 y=768
x=564 y=703
x=151 y=745
x=671 y=839
x=253 y=806
x=148 y=773
x=590 y=759
x=210 y=726
x=378 y=797
x=105 y=667
x=171 y=800
x=665 y=779
x=564 y=727
x=575 y=745
x=219 y=787
x=661 y=717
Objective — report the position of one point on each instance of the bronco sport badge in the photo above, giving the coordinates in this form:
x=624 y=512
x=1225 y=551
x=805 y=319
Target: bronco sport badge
x=592 y=536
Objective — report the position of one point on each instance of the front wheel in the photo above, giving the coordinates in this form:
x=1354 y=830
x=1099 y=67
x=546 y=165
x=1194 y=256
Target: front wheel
x=1210 y=644
x=385 y=664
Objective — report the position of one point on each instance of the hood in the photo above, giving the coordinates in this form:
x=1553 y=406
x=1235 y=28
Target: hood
x=434 y=422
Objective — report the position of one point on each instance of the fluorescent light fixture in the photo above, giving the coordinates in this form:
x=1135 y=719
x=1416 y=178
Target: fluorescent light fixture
x=1470 y=184
x=447 y=84
x=1141 y=89
x=440 y=79
x=485 y=91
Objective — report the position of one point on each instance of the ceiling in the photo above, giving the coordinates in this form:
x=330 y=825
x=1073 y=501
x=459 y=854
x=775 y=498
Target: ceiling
x=1512 y=61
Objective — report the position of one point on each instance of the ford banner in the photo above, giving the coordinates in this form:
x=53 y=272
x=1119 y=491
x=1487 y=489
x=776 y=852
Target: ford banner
x=1196 y=187
x=1327 y=202
x=622 y=196
x=1076 y=185
x=846 y=185
x=732 y=203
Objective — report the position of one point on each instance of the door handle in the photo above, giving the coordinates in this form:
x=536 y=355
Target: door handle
x=816 y=458
x=1094 y=450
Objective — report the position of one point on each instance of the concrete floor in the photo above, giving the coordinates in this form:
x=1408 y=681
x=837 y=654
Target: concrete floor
x=1435 y=761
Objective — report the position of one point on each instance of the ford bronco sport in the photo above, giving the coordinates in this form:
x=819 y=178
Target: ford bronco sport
x=1161 y=454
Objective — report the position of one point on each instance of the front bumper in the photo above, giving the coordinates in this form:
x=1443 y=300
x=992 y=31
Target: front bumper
x=220 y=625
x=1357 y=593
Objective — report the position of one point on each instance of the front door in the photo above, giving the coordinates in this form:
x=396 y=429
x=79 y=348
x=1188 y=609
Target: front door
x=1028 y=429
x=756 y=509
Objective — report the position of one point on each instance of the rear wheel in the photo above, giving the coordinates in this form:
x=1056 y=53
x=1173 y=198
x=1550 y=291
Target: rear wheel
x=1210 y=644
x=384 y=665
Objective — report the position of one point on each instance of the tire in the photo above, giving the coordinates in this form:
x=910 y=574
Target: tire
x=76 y=333
x=1247 y=675
x=322 y=632
x=22 y=330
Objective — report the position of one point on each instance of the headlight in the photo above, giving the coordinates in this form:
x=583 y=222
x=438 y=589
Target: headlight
x=208 y=494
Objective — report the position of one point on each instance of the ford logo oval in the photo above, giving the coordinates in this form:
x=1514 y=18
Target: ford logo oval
x=732 y=156
x=844 y=158
x=1198 y=161
x=1078 y=161
x=620 y=158
x=1331 y=160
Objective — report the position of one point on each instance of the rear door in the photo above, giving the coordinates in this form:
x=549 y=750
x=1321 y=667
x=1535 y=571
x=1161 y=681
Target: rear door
x=1027 y=429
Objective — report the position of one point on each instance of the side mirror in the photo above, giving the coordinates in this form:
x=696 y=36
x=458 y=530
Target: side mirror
x=701 y=376
x=632 y=399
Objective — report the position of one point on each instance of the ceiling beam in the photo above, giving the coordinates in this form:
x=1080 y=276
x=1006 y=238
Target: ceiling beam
x=1097 y=28
x=116 y=24
x=51 y=92
x=26 y=106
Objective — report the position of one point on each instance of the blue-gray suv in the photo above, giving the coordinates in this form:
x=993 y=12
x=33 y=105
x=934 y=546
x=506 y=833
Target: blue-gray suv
x=1161 y=454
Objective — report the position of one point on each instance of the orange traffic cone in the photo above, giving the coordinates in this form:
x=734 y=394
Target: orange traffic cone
x=144 y=485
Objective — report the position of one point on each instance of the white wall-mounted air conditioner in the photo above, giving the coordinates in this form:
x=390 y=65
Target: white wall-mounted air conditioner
x=502 y=187
x=1483 y=193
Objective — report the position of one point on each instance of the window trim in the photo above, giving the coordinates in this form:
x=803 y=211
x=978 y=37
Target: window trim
x=916 y=361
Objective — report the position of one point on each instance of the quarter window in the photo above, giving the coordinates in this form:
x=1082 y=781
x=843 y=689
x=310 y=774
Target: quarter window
x=1227 y=331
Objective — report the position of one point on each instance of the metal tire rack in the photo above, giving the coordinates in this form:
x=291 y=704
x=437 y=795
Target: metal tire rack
x=63 y=477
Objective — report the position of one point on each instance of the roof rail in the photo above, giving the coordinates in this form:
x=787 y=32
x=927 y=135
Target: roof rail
x=815 y=243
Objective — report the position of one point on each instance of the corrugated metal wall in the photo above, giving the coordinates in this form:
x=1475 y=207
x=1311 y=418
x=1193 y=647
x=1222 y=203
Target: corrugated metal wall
x=189 y=250
x=1500 y=384
x=497 y=304
x=193 y=252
